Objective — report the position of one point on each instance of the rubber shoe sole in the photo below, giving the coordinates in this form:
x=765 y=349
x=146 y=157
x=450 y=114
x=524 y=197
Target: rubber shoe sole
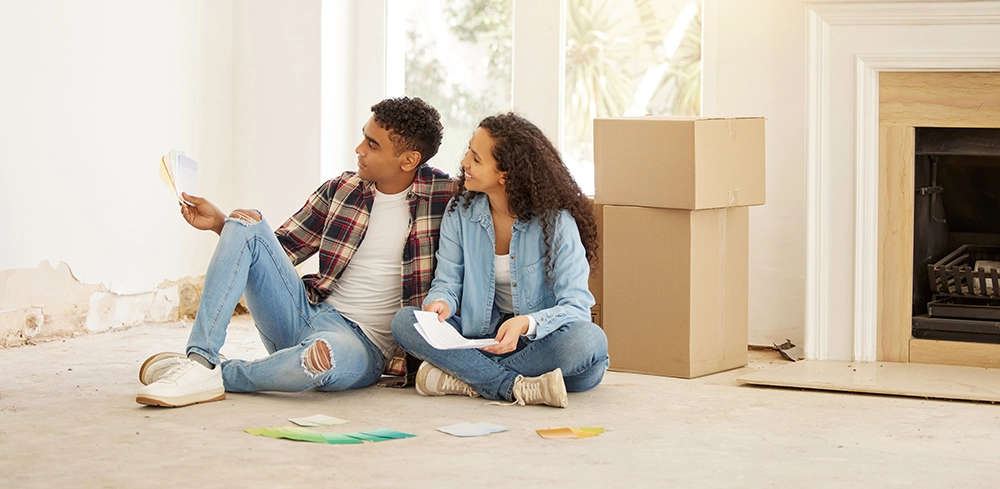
x=179 y=401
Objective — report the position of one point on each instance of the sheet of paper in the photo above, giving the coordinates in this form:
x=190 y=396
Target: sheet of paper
x=317 y=420
x=442 y=336
x=472 y=429
x=186 y=175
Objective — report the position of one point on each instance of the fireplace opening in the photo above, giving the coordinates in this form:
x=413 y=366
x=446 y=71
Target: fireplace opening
x=956 y=234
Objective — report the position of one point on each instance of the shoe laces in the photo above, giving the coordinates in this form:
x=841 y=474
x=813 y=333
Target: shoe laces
x=177 y=370
x=452 y=384
x=527 y=392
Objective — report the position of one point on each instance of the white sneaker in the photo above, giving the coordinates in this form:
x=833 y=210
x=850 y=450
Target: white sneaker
x=545 y=389
x=186 y=383
x=156 y=366
x=432 y=381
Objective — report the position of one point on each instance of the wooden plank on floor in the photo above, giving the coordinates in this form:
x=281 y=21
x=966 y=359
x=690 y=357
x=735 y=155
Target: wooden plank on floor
x=900 y=379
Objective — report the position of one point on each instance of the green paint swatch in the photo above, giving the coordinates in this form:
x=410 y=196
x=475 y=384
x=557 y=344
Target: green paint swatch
x=305 y=434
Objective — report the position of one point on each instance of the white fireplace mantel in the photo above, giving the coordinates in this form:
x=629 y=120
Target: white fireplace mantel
x=849 y=44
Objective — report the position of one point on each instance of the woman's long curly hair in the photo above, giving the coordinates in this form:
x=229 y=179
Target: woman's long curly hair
x=538 y=183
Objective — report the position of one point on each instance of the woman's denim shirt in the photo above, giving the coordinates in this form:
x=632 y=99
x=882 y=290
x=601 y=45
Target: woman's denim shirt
x=465 y=271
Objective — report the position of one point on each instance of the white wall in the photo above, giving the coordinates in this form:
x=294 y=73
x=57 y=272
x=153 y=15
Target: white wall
x=276 y=143
x=755 y=61
x=91 y=95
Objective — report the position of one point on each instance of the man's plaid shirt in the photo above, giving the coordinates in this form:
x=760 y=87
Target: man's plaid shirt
x=334 y=221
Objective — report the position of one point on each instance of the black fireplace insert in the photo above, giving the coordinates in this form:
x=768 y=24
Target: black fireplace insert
x=956 y=246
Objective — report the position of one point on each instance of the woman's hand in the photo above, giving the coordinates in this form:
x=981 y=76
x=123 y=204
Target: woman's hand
x=508 y=334
x=202 y=214
x=441 y=308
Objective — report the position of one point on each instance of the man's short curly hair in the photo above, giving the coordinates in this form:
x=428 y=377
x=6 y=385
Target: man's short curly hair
x=413 y=125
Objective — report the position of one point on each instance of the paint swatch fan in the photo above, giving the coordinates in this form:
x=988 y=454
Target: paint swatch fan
x=179 y=173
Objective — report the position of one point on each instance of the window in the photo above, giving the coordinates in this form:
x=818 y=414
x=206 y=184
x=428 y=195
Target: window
x=622 y=58
x=627 y=58
x=456 y=55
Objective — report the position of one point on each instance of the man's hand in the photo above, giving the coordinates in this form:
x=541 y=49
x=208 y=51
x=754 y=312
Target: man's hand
x=202 y=214
x=441 y=308
x=508 y=334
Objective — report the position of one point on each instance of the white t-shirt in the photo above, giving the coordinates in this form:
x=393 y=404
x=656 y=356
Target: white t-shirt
x=370 y=290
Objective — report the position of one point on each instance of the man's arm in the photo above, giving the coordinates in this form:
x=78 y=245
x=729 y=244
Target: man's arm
x=204 y=215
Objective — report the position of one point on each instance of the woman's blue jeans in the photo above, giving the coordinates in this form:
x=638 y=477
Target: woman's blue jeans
x=580 y=349
x=249 y=261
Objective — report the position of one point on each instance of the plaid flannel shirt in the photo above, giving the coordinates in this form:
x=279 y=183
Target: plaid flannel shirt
x=333 y=222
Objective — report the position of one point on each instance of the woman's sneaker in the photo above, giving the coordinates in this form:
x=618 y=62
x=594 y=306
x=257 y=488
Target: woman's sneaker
x=545 y=389
x=432 y=381
x=186 y=383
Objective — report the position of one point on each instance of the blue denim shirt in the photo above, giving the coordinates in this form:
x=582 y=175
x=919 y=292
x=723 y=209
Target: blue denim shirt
x=465 y=271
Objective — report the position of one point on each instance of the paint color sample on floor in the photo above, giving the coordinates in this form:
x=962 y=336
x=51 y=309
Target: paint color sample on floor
x=472 y=429
x=289 y=432
x=385 y=434
x=317 y=420
x=574 y=432
x=304 y=434
x=900 y=379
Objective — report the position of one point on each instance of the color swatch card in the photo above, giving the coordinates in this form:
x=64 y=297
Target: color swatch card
x=179 y=173
x=472 y=429
x=304 y=434
x=442 y=336
x=574 y=432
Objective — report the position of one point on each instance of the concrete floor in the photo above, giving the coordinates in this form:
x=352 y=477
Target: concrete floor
x=68 y=419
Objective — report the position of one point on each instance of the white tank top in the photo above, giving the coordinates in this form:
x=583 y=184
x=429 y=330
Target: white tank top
x=503 y=299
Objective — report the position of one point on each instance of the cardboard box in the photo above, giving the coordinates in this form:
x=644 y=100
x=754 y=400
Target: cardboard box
x=679 y=162
x=675 y=289
x=596 y=282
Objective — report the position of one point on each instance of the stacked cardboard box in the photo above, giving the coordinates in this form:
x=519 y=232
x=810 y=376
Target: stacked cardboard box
x=675 y=193
x=596 y=282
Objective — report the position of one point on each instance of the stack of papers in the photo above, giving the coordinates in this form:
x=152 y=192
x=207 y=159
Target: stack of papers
x=442 y=336
x=179 y=173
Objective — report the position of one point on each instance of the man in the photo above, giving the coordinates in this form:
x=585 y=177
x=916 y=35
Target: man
x=376 y=232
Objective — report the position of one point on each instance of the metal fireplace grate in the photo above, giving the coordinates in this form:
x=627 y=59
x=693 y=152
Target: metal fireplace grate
x=969 y=271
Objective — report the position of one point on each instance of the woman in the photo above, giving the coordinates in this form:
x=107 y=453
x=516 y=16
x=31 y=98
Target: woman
x=515 y=251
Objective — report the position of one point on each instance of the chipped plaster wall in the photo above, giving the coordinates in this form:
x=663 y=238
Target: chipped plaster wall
x=47 y=302
x=92 y=93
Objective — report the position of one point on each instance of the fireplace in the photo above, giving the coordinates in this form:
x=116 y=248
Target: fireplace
x=938 y=179
x=956 y=234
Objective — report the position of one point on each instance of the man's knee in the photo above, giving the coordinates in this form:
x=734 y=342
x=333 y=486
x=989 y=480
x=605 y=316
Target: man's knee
x=246 y=216
x=318 y=358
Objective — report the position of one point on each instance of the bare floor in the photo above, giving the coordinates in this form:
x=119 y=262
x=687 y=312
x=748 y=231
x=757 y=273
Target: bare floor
x=68 y=419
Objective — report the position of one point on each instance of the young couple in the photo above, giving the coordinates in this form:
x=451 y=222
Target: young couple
x=516 y=236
